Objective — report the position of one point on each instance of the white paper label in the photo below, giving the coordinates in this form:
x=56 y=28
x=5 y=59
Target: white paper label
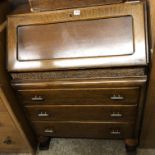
x=77 y=12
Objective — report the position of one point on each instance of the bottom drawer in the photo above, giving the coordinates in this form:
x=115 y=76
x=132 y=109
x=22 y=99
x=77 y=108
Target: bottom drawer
x=84 y=129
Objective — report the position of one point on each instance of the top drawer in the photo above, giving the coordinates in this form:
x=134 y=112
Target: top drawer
x=81 y=96
x=101 y=36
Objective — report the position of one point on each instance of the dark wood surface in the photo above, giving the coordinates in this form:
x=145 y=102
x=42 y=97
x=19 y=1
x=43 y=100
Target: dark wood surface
x=83 y=96
x=82 y=113
x=79 y=83
x=82 y=100
x=84 y=129
x=58 y=58
x=80 y=39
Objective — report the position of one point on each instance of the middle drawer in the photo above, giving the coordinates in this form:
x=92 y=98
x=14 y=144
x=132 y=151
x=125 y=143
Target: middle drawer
x=82 y=113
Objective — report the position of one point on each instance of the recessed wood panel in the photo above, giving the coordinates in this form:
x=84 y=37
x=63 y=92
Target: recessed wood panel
x=93 y=38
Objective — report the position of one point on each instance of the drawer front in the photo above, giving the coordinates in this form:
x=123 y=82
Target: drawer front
x=9 y=141
x=81 y=113
x=83 y=96
x=84 y=130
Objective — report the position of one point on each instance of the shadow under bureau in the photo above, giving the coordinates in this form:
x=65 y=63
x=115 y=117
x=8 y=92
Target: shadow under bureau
x=81 y=75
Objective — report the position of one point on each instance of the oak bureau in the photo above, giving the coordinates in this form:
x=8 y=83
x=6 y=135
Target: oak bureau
x=80 y=71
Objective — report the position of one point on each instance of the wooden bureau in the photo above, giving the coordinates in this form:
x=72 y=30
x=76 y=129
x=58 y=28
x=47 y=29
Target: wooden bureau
x=81 y=72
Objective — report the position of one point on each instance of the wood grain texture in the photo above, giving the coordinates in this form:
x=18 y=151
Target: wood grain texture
x=138 y=58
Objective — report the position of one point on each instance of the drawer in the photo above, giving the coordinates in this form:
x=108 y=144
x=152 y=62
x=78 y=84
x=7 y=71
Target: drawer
x=84 y=130
x=81 y=113
x=83 y=96
x=9 y=142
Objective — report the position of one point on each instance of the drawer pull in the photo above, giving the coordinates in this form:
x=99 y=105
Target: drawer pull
x=7 y=141
x=48 y=131
x=117 y=97
x=116 y=115
x=43 y=114
x=37 y=98
x=115 y=132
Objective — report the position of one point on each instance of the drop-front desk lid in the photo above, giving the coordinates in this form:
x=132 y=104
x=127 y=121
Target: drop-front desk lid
x=91 y=37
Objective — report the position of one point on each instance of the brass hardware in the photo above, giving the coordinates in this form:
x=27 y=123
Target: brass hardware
x=48 y=131
x=37 y=98
x=7 y=141
x=118 y=114
x=43 y=114
x=115 y=132
x=117 y=97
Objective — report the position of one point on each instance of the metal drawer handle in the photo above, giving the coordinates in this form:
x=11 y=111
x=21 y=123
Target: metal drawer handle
x=37 y=98
x=43 y=114
x=48 y=131
x=118 y=114
x=7 y=141
x=115 y=132
x=117 y=97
